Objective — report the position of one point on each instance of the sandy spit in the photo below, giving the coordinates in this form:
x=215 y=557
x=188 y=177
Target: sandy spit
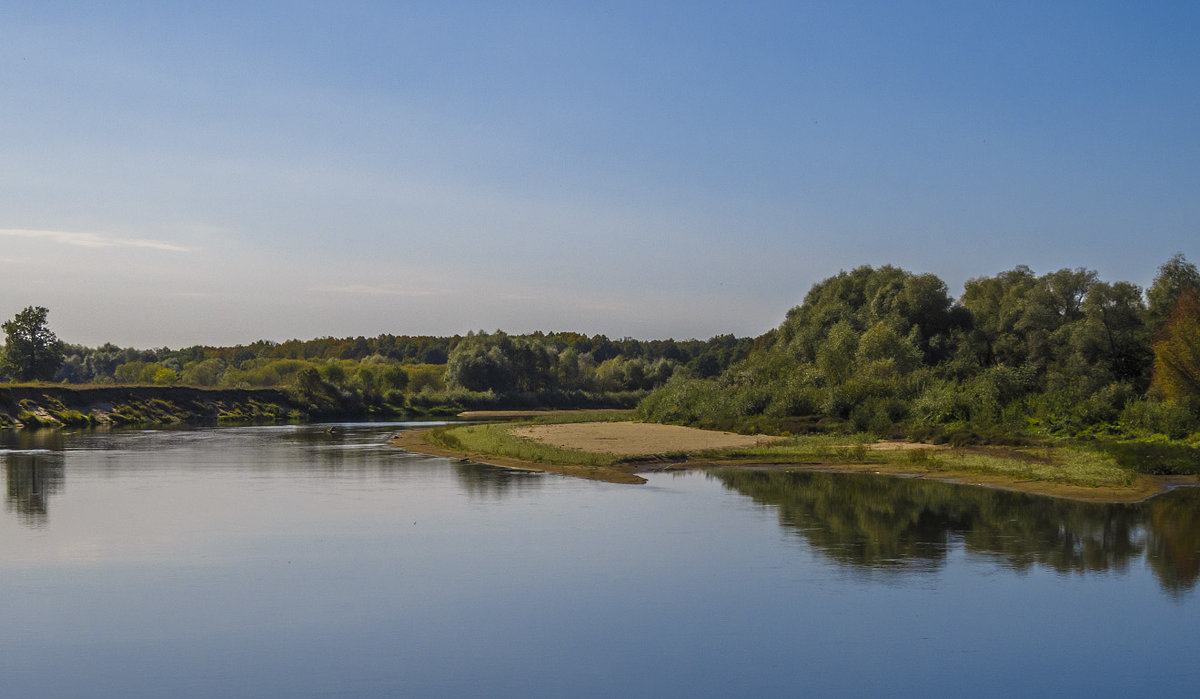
x=634 y=439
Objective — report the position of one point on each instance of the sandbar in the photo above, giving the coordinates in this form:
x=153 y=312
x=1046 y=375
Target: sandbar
x=681 y=448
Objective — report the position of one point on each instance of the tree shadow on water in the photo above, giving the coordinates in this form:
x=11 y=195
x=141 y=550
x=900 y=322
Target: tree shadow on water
x=31 y=480
x=871 y=523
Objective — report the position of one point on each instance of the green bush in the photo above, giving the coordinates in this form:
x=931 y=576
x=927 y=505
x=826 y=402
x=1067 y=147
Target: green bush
x=1149 y=416
x=1155 y=456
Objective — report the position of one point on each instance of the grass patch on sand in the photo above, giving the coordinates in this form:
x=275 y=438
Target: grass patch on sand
x=1069 y=464
x=806 y=449
x=496 y=440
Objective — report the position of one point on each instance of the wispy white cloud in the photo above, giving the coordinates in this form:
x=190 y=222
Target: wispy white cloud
x=376 y=290
x=91 y=240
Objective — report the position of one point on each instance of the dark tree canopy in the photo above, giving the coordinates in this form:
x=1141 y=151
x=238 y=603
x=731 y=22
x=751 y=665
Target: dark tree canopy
x=31 y=351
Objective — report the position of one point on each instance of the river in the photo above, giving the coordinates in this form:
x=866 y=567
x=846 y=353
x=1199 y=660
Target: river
x=288 y=561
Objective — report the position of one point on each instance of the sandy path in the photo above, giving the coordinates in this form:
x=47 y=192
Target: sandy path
x=635 y=438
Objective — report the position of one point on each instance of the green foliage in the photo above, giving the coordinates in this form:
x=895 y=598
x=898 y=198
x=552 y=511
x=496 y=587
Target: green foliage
x=1175 y=277
x=312 y=390
x=393 y=378
x=389 y=374
x=206 y=372
x=888 y=352
x=511 y=365
x=685 y=401
x=1113 y=334
x=333 y=373
x=31 y=351
x=1145 y=417
x=1177 y=352
x=876 y=349
x=165 y=377
x=451 y=401
x=1154 y=456
x=425 y=377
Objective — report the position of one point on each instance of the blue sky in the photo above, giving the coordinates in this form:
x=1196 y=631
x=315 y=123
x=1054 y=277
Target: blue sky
x=183 y=173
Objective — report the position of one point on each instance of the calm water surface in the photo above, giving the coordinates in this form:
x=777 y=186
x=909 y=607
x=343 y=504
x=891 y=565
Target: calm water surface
x=285 y=561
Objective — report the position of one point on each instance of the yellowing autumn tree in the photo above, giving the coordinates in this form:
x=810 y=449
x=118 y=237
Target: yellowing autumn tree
x=1177 y=351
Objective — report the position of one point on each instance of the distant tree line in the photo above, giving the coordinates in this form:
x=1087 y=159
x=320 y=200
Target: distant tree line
x=398 y=372
x=891 y=352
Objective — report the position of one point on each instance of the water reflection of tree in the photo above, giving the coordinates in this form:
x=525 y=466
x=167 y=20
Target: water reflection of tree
x=26 y=440
x=493 y=481
x=870 y=522
x=344 y=450
x=31 y=480
x=1173 y=539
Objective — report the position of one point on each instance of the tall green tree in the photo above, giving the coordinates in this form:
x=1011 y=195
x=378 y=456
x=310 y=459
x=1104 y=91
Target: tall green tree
x=31 y=349
x=997 y=305
x=1113 y=335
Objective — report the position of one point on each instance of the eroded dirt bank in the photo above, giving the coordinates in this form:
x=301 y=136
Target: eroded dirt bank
x=50 y=406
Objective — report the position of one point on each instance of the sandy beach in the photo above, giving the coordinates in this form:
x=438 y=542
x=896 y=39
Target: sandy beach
x=635 y=438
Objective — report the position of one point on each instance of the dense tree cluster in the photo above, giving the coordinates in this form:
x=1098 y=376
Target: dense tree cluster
x=535 y=363
x=517 y=362
x=887 y=351
x=425 y=372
